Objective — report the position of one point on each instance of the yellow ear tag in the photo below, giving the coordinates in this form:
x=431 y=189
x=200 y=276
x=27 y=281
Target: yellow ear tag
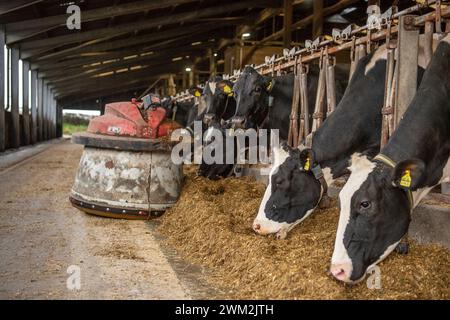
x=227 y=90
x=306 y=167
x=197 y=93
x=406 y=179
x=269 y=87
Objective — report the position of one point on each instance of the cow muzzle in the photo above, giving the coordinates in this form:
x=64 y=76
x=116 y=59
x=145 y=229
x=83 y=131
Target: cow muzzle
x=238 y=122
x=262 y=228
x=342 y=271
x=209 y=118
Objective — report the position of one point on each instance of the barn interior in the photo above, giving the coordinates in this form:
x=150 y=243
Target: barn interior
x=123 y=50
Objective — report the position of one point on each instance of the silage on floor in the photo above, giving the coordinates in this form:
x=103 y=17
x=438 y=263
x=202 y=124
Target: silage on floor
x=211 y=226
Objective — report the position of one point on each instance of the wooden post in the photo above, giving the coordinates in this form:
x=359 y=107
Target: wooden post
x=406 y=77
x=287 y=23
x=15 y=117
x=33 y=106
x=59 y=120
x=53 y=116
x=26 y=108
x=212 y=63
x=45 y=111
x=191 y=78
x=428 y=50
x=317 y=29
x=172 y=88
x=2 y=92
x=40 y=101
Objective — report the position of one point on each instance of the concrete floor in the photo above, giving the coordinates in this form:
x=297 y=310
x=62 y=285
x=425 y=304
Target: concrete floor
x=42 y=235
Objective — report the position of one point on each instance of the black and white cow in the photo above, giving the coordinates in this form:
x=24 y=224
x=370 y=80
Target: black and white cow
x=375 y=202
x=295 y=184
x=266 y=102
x=220 y=106
x=186 y=112
x=219 y=100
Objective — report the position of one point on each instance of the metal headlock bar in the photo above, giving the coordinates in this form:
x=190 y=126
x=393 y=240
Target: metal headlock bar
x=379 y=27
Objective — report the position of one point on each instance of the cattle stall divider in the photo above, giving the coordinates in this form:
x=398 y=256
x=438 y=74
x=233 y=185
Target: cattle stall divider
x=399 y=30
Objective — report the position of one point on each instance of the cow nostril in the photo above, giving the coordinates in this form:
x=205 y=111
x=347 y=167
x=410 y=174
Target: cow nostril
x=257 y=226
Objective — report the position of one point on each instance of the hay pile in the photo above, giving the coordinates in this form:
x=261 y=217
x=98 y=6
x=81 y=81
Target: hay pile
x=211 y=226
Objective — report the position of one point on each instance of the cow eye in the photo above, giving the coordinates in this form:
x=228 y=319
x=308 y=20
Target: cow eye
x=365 y=204
x=258 y=89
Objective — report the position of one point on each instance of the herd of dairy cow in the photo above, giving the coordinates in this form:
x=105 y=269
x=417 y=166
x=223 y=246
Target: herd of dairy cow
x=383 y=186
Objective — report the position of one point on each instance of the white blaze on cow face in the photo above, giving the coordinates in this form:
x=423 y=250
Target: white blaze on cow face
x=262 y=225
x=293 y=198
x=212 y=86
x=341 y=264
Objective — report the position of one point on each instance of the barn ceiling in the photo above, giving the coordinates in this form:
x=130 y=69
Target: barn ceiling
x=124 y=45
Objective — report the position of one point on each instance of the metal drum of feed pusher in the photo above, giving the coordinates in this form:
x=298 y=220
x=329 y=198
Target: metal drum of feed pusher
x=125 y=170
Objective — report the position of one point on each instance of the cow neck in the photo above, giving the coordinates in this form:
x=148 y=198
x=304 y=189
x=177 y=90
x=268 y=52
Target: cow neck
x=423 y=132
x=391 y=163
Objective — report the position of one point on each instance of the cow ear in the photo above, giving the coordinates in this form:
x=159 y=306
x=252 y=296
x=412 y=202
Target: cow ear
x=307 y=159
x=269 y=84
x=408 y=174
x=280 y=153
x=195 y=92
x=225 y=88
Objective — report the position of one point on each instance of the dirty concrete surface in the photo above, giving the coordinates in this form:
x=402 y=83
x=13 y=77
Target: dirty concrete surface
x=42 y=235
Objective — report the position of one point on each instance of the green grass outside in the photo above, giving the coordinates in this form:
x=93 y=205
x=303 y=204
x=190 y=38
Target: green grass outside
x=69 y=128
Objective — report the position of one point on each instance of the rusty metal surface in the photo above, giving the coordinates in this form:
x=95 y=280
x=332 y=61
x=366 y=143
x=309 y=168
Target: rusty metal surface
x=139 y=181
x=121 y=143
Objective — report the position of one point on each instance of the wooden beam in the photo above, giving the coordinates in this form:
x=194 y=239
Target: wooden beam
x=70 y=103
x=2 y=92
x=297 y=25
x=317 y=29
x=406 y=75
x=10 y=6
x=25 y=104
x=100 y=83
x=142 y=25
x=15 y=138
x=21 y=30
x=287 y=23
x=131 y=55
x=75 y=92
x=131 y=85
x=85 y=74
x=33 y=94
x=122 y=43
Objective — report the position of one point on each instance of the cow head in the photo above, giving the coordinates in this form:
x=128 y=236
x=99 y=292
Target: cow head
x=374 y=216
x=292 y=194
x=218 y=94
x=251 y=92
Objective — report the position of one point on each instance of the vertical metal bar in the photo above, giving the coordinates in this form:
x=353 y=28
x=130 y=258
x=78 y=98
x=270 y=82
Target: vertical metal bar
x=408 y=50
x=305 y=103
x=2 y=92
x=15 y=117
x=33 y=106
x=25 y=105
x=388 y=91
x=331 y=87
